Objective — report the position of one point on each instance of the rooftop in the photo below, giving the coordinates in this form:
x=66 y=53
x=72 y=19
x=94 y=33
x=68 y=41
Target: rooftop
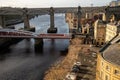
x=111 y=51
x=112 y=54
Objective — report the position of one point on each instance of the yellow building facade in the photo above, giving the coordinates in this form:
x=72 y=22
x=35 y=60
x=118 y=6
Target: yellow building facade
x=108 y=61
x=99 y=32
x=85 y=28
x=71 y=19
x=111 y=31
x=103 y=32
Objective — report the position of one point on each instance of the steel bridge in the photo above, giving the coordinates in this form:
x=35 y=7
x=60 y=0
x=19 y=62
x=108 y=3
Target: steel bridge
x=11 y=33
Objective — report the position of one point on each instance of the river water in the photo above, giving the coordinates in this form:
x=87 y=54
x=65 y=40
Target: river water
x=20 y=62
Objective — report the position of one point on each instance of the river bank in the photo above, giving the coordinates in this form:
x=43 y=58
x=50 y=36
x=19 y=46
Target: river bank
x=77 y=52
x=60 y=70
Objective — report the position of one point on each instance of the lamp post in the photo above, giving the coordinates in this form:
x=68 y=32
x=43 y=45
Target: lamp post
x=79 y=17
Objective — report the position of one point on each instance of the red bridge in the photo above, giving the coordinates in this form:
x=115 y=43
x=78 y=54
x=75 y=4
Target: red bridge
x=11 y=33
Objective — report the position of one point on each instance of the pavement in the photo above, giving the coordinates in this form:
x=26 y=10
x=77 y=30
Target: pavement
x=88 y=61
x=77 y=52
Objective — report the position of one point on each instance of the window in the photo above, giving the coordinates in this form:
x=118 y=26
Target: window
x=116 y=72
x=74 y=26
x=101 y=75
x=102 y=43
x=106 y=77
x=97 y=43
x=108 y=68
x=102 y=63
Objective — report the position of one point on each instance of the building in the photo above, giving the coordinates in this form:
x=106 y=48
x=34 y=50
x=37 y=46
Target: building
x=108 y=61
x=71 y=19
x=99 y=32
x=114 y=3
x=103 y=32
x=118 y=2
x=85 y=28
x=111 y=31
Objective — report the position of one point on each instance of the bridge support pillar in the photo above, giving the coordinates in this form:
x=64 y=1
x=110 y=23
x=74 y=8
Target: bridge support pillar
x=79 y=17
x=38 y=45
x=52 y=29
x=26 y=22
x=2 y=21
x=26 y=19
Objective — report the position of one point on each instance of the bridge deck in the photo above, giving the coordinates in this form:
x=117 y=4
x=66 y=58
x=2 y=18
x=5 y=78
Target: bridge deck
x=10 y=33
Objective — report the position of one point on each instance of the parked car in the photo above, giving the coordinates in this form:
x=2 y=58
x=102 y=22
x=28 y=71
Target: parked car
x=94 y=54
x=75 y=69
x=78 y=63
x=71 y=76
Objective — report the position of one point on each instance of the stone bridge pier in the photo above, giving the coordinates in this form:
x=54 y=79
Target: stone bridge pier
x=2 y=21
x=52 y=28
x=38 y=46
x=26 y=19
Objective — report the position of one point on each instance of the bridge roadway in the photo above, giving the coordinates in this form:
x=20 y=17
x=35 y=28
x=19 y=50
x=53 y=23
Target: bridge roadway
x=11 y=33
x=39 y=11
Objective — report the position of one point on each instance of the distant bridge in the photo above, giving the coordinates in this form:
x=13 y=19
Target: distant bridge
x=11 y=33
x=39 y=11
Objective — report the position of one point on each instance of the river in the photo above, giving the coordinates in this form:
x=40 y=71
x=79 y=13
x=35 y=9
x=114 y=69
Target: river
x=20 y=62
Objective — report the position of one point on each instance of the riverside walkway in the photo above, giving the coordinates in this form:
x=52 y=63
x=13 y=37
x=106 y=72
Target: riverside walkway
x=60 y=70
x=77 y=52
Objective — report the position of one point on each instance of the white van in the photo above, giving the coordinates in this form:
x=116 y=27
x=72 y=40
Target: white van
x=71 y=76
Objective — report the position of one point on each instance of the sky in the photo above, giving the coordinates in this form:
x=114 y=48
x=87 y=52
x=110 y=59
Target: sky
x=53 y=3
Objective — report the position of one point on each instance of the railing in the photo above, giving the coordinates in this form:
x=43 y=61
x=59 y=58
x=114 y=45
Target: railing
x=27 y=34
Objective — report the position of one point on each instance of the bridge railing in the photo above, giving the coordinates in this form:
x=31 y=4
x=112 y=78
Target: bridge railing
x=57 y=36
x=29 y=35
x=8 y=33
